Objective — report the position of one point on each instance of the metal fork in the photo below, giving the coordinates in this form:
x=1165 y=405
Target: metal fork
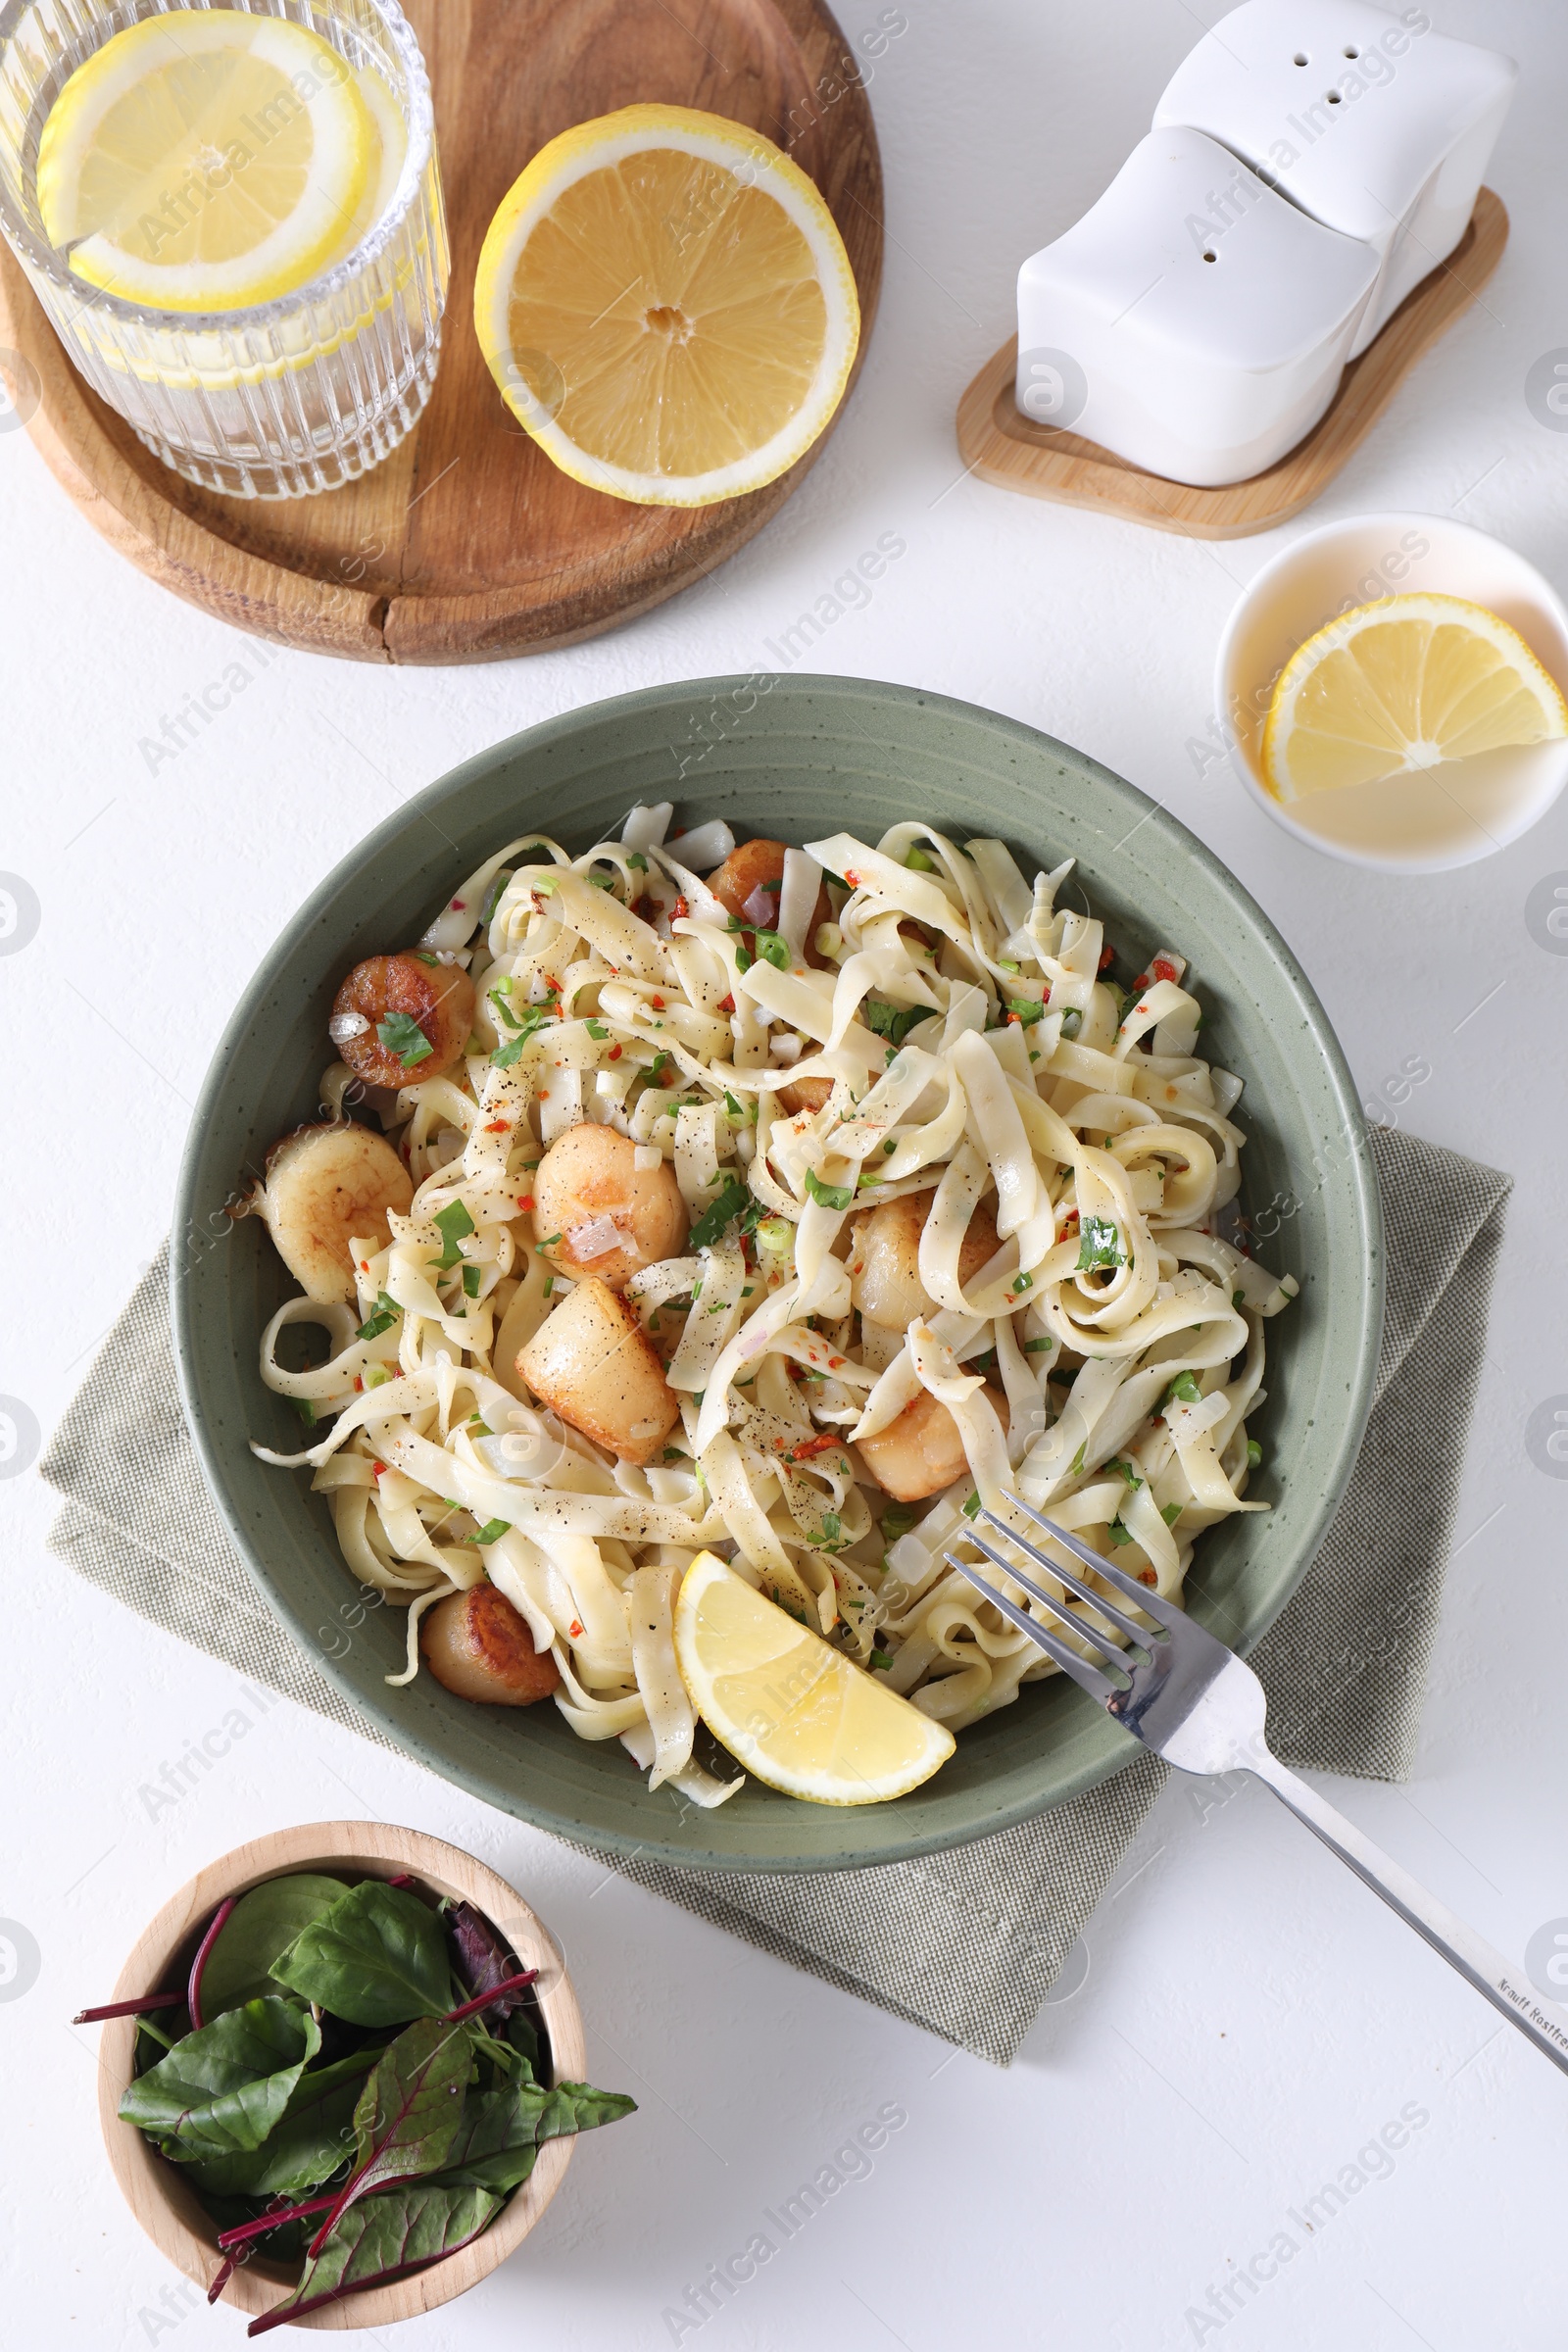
x=1192 y=1700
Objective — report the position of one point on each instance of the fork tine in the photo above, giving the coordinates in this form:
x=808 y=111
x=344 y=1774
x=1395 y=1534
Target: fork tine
x=1088 y=1678
x=1137 y=1634
x=1163 y=1612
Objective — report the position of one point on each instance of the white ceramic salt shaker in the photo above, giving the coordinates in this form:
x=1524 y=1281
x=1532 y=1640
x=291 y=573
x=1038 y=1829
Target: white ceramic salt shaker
x=1375 y=124
x=1192 y=321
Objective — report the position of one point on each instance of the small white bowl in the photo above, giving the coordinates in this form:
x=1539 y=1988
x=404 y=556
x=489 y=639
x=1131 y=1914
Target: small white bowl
x=1413 y=824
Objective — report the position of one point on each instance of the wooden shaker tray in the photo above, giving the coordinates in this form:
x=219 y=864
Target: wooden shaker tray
x=466 y=544
x=1001 y=446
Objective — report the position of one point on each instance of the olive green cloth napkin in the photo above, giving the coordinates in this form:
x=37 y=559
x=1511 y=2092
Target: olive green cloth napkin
x=966 y=1943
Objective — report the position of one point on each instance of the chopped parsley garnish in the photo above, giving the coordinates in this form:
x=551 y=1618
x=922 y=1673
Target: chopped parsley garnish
x=1038 y=1347
x=831 y=1526
x=305 y=1409
x=829 y=1196
x=918 y=863
x=1170 y=1512
x=720 y=1213
x=533 y=1020
x=892 y=1021
x=657 y=1068
x=1119 y=1534
x=492 y=897
x=1028 y=1008
x=386 y=1314
x=455 y=1225
x=636 y=859
x=1021 y=1282
x=597 y=1031
x=493 y=1529
x=1071 y=1022
x=1099 y=1244
x=401 y=1035
x=673 y=1453
x=897 y=1521
x=880 y=1657
x=1077 y=1461
x=1125 y=1470
x=470 y=1282
x=972 y=1508
x=1254 y=1453
x=772 y=947
x=1238 y=1299
x=1184 y=1390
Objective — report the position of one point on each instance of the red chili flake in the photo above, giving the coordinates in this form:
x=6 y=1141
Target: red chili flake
x=498 y=1127
x=852 y=879
x=1107 y=957
x=456 y=906
x=834 y=1363
x=1142 y=981
x=726 y=1004
x=615 y=1053
x=810 y=1447
x=1147 y=1576
x=358 y=1382
x=378 y=1469
x=544 y=1090
x=365 y=1265
x=681 y=912
x=574 y=1629
x=552 y=983
x=1014 y=1020
x=1165 y=969
x=525 y=1201
x=657 y=1003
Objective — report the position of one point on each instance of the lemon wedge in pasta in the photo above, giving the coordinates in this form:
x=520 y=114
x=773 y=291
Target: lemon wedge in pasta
x=794 y=1711
x=208 y=159
x=665 y=303
x=1398 y=687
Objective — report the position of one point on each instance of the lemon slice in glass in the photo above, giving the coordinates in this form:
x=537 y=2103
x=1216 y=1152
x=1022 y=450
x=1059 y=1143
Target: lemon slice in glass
x=1398 y=687
x=205 y=160
x=794 y=1711
x=667 y=307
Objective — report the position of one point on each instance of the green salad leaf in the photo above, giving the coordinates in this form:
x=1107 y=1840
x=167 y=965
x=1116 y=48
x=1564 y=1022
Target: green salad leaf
x=225 y=2088
x=378 y=1957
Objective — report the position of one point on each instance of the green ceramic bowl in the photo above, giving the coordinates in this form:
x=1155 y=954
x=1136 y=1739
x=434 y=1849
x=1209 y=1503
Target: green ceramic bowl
x=795 y=757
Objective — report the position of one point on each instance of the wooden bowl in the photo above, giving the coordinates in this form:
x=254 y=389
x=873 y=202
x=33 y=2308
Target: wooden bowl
x=169 y=2210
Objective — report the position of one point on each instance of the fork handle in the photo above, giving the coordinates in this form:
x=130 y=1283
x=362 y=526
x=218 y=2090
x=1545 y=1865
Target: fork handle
x=1461 y=1945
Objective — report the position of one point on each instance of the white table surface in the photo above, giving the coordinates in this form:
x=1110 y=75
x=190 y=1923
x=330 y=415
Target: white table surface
x=1250 y=2018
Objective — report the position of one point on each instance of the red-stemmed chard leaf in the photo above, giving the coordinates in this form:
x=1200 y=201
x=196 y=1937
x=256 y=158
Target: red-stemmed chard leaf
x=148 y=2000
x=407 y=2113
x=377 y=1958
x=224 y=2088
x=193 y=1995
x=389 y=2235
x=266 y=2222
x=503 y=1998
x=486 y=1963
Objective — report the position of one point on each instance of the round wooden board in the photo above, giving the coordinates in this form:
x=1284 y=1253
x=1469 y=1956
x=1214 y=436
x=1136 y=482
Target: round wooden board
x=466 y=544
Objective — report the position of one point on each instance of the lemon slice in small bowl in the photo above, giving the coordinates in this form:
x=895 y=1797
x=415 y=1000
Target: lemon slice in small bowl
x=792 y=1709
x=665 y=303
x=206 y=160
x=1402 y=686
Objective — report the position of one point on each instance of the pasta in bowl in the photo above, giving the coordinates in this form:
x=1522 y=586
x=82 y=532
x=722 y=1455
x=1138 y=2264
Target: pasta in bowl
x=780 y=1204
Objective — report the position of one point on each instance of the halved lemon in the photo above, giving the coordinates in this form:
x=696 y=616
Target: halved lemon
x=667 y=307
x=206 y=160
x=1401 y=686
x=795 y=1712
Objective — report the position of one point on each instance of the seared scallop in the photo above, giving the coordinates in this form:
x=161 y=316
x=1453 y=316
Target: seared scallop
x=921 y=1451
x=593 y=1364
x=478 y=1645
x=402 y=1017
x=325 y=1187
x=885 y=1264
x=597 y=1212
